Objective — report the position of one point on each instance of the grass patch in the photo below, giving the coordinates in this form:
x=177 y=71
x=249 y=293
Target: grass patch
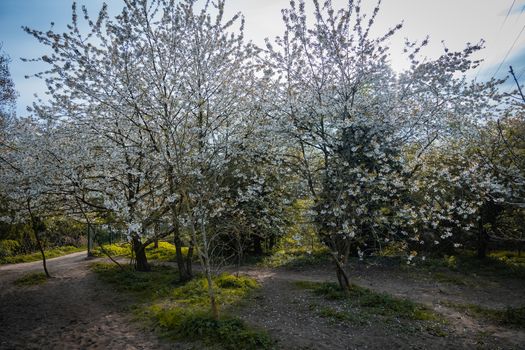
x=514 y=260
x=115 y=249
x=31 y=279
x=514 y=317
x=497 y=264
x=363 y=300
x=230 y=332
x=164 y=252
x=51 y=253
x=181 y=311
x=296 y=258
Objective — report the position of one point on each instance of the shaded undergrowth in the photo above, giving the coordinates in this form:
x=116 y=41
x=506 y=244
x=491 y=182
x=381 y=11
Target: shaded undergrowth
x=164 y=252
x=181 y=311
x=296 y=258
x=362 y=306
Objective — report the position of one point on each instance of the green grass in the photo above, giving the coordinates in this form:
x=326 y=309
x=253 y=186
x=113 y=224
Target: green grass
x=165 y=251
x=181 y=311
x=514 y=260
x=497 y=264
x=296 y=257
x=514 y=317
x=368 y=302
x=31 y=279
x=51 y=253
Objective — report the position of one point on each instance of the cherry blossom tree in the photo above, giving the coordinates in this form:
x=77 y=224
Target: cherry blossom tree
x=353 y=121
x=164 y=96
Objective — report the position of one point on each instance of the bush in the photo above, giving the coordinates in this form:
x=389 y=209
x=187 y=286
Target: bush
x=9 y=247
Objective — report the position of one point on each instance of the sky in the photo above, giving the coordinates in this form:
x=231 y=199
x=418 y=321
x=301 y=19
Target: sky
x=501 y=23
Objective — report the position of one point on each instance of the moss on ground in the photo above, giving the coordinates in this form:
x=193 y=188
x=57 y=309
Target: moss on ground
x=181 y=311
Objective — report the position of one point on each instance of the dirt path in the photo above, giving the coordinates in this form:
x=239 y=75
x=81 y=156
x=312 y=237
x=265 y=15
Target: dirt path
x=71 y=311
x=289 y=314
x=76 y=311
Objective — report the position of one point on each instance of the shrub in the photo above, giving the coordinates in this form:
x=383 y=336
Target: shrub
x=9 y=247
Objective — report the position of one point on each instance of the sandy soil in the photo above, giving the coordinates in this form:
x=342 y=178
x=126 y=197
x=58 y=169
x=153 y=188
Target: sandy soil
x=76 y=311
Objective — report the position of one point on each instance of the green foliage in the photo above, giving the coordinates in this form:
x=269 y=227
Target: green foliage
x=116 y=249
x=508 y=317
x=514 y=260
x=51 y=253
x=297 y=257
x=497 y=264
x=233 y=282
x=230 y=333
x=394 y=249
x=9 y=247
x=31 y=279
x=181 y=311
x=164 y=252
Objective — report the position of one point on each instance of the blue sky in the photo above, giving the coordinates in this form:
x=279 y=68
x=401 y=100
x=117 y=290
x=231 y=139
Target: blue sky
x=454 y=21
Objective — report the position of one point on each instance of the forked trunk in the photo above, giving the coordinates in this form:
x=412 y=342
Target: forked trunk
x=342 y=276
x=141 y=261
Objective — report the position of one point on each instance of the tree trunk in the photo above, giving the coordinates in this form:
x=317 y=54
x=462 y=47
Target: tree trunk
x=184 y=274
x=342 y=276
x=41 y=248
x=189 y=260
x=257 y=245
x=211 y=292
x=482 y=241
x=89 y=240
x=141 y=261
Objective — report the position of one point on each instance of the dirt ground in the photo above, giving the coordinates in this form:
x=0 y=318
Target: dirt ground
x=76 y=311
x=285 y=311
x=71 y=311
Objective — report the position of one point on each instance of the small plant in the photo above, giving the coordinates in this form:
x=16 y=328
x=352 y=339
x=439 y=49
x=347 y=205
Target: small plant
x=230 y=333
x=31 y=279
